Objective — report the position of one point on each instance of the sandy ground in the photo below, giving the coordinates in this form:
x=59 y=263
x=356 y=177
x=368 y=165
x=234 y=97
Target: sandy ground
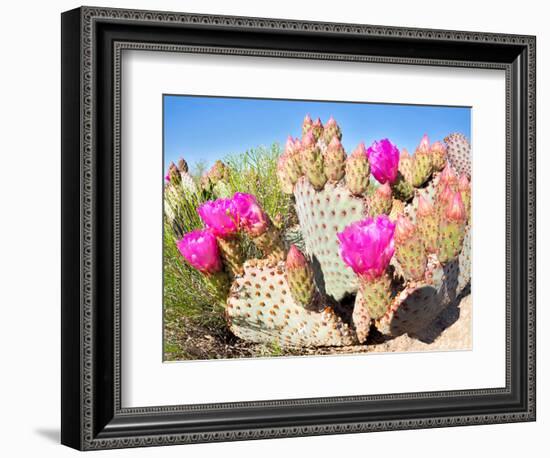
x=451 y=330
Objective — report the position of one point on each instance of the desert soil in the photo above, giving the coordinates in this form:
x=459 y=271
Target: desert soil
x=451 y=330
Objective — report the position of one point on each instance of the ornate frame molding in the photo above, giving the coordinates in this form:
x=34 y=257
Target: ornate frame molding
x=91 y=435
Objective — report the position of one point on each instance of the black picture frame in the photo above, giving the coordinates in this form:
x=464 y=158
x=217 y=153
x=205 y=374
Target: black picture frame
x=92 y=40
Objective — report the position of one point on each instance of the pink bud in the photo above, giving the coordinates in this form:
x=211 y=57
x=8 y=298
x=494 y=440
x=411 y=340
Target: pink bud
x=331 y=122
x=360 y=150
x=309 y=140
x=317 y=123
x=446 y=195
x=455 y=210
x=447 y=176
x=367 y=246
x=308 y=120
x=249 y=213
x=295 y=258
x=404 y=229
x=289 y=146
x=167 y=177
x=335 y=143
x=404 y=155
x=200 y=250
x=438 y=147
x=463 y=183
x=220 y=217
x=384 y=160
x=425 y=207
x=384 y=191
x=282 y=160
x=424 y=145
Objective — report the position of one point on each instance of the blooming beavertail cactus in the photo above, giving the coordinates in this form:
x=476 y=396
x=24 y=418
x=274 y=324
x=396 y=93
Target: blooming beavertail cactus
x=383 y=240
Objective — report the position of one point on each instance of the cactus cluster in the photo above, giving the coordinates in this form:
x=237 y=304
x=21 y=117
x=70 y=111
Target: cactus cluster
x=383 y=241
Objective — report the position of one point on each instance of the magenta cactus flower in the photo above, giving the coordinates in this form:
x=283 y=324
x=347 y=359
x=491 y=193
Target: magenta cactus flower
x=251 y=216
x=367 y=246
x=220 y=217
x=384 y=159
x=200 y=250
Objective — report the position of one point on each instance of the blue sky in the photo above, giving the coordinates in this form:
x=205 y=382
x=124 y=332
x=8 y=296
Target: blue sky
x=209 y=128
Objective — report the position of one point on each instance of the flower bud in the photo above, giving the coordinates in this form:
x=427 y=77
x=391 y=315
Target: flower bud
x=404 y=229
x=455 y=210
x=425 y=208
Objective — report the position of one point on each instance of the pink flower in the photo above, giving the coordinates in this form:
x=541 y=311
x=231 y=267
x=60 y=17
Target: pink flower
x=200 y=250
x=220 y=217
x=367 y=246
x=167 y=177
x=384 y=160
x=251 y=216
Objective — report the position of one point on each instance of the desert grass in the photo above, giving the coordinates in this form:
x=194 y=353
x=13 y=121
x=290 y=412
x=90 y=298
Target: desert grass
x=190 y=313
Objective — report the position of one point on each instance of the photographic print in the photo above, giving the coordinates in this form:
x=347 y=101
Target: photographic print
x=296 y=228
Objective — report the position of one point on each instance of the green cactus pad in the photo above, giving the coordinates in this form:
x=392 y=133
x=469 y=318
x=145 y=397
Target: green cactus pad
x=218 y=284
x=335 y=162
x=232 y=254
x=419 y=303
x=377 y=295
x=406 y=167
x=301 y=284
x=465 y=261
x=357 y=174
x=361 y=318
x=261 y=309
x=402 y=189
x=421 y=169
x=459 y=153
x=449 y=241
x=411 y=257
x=270 y=244
x=313 y=166
x=321 y=215
x=378 y=205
